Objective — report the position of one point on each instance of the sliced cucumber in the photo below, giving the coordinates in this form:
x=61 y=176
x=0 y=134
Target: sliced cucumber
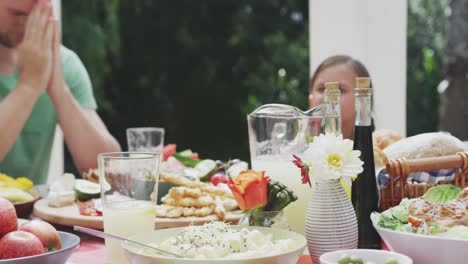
x=206 y=168
x=86 y=190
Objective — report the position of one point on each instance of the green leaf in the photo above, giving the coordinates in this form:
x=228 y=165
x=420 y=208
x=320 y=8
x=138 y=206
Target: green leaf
x=401 y=211
x=392 y=223
x=442 y=193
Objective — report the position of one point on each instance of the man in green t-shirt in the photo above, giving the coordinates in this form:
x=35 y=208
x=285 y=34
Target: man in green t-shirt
x=42 y=83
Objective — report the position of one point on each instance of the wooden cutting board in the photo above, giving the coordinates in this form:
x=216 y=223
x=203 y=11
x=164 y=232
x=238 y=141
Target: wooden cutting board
x=70 y=216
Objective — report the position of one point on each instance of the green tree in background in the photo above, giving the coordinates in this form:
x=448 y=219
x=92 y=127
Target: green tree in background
x=425 y=49
x=454 y=92
x=195 y=68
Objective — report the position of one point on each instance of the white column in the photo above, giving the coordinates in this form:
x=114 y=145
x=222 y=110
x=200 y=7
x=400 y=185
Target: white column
x=56 y=164
x=374 y=32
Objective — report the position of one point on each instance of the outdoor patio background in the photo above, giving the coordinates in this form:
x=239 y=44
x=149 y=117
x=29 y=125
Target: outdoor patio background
x=197 y=68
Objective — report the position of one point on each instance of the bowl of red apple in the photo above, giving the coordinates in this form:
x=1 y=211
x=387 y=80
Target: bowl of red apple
x=32 y=242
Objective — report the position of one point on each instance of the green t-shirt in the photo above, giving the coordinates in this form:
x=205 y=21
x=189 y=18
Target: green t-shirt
x=30 y=155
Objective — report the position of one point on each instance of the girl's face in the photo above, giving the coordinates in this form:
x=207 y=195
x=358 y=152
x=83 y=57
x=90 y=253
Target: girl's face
x=345 y=75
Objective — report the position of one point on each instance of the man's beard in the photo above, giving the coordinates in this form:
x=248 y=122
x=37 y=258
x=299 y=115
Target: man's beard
x=5 y=40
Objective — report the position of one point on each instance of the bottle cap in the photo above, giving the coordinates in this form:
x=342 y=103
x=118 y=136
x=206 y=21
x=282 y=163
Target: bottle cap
x=332 y=85
x=362 y=86
x=332 y=91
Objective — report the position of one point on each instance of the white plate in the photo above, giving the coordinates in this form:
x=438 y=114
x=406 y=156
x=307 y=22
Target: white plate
x=70 y=216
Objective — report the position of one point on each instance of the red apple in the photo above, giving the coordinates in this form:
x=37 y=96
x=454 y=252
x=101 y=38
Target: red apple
x=45 y=232
x=7 y=217
x=18 y=244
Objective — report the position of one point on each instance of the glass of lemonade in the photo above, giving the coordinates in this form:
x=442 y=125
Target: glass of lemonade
x=129 y=184
x=145 y=139
x=276 y=132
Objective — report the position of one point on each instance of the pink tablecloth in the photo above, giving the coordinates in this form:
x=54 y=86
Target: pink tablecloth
x=91 y=250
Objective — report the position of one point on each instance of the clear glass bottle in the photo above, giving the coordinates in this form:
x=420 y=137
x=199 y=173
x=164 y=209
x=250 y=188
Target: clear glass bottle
x=364 y=191
x=332 y=100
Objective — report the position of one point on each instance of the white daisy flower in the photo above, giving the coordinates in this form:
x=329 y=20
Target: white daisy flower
x=332 y=158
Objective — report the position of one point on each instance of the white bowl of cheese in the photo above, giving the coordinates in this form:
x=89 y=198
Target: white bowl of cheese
x=218 y=242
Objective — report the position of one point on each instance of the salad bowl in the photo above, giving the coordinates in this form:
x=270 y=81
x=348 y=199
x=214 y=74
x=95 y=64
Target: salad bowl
x=425 y=249
x=430 y=229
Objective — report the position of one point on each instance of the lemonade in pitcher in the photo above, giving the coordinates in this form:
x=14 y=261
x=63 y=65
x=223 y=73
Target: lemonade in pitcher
x=287 y=173
x=276 y=133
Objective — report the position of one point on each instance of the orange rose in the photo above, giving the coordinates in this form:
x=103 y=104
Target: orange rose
x=250 y=189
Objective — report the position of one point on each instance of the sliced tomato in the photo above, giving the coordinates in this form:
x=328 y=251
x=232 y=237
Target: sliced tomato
x=87 y=208
x=169 y=150
x=414 y=221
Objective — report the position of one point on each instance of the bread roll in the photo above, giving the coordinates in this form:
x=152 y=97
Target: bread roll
x=380 y=159
x=424 y=146
x=385 y=137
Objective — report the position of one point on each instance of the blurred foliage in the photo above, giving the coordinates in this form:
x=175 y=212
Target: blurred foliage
x=195 y=68
x=425 y=47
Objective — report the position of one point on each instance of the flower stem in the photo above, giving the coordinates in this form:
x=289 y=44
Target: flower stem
x=256 y=217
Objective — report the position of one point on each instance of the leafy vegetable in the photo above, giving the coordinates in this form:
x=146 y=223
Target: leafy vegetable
x=401 y=211
x=442 y=193
x=389 y=222
x=398 y=220
x=399 y=215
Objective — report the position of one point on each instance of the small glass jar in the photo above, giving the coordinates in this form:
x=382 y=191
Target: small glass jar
x=275 y=219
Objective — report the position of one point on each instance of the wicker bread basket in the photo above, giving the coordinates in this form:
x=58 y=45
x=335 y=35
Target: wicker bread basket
x=399 y=170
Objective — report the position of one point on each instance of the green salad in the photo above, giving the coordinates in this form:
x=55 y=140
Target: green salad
x=428 y=215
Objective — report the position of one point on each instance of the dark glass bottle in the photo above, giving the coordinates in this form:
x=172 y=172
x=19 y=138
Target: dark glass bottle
x=364 y=194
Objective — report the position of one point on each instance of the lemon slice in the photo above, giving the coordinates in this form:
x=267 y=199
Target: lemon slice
x=25 y=183
x=5 y=178
x=9 y=181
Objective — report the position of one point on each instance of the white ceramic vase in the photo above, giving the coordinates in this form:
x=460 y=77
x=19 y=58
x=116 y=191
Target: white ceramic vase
x=330 y=220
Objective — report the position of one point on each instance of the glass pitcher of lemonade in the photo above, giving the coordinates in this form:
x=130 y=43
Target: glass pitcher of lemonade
x=276 y=132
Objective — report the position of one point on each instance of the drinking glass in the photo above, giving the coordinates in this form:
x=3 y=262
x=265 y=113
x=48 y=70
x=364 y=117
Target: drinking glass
x=146 y=139
x=129 y=184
